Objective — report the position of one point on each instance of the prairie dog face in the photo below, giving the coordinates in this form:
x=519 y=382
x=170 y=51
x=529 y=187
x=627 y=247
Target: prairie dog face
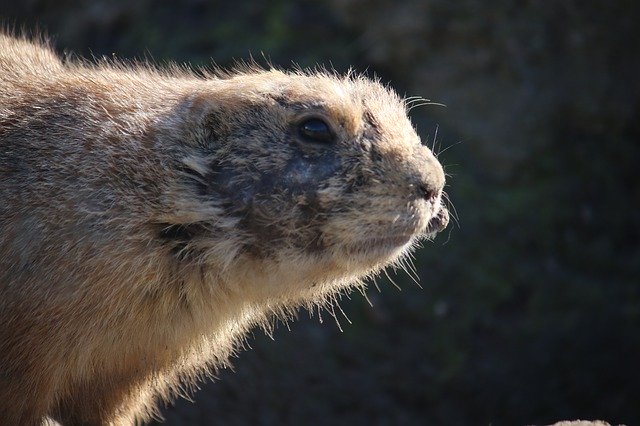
x=313 y=167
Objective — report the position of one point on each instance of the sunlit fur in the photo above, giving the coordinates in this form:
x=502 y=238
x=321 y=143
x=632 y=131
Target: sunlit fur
x=149 y=218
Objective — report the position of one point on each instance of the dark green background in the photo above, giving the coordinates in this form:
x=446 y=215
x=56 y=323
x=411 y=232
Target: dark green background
x=530 y=309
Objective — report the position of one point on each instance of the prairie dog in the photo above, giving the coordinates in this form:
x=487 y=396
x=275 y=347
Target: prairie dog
x=149 y=218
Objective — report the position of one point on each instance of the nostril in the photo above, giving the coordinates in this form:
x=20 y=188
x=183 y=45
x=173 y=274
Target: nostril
x=427 y=192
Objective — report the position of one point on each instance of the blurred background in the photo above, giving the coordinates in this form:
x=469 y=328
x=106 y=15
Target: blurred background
x=529 y=310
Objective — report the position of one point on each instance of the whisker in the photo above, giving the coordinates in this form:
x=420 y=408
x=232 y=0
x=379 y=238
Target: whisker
x=447 y=148
x=410 y=267
x=425 y=103
x=449 y=236
x=333 y=314
x=392 y=281
x=375 y=283
x=364 y=294
x=452 y=209
x=343 y=314
x=435 y=139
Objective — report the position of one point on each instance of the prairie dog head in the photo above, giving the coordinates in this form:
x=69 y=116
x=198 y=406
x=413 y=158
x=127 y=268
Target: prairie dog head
x=318 y=176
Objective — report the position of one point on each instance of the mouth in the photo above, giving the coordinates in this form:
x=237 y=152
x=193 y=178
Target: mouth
x=380 y=247
x=385 y=245
x=438 y=223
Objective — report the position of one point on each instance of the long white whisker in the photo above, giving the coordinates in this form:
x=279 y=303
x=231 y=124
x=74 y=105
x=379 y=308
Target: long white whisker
x=392 y=281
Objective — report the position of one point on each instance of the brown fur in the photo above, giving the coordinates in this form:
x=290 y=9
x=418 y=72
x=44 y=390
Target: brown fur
x=148 y=218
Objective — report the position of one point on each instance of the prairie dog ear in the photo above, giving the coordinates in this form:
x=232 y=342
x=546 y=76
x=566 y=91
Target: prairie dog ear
x=206 y=120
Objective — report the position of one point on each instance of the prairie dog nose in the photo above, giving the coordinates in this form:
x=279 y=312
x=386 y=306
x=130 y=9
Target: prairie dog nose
x=428 y=191
x=429 y=180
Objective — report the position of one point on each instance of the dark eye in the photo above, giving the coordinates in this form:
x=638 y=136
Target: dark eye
x=315 y=130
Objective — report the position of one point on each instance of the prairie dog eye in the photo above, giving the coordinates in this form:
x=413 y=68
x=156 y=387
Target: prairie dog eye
x=315 y=130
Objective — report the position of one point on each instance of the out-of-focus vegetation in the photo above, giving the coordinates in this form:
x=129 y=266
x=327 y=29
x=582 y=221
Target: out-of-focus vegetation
x=530 y=309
